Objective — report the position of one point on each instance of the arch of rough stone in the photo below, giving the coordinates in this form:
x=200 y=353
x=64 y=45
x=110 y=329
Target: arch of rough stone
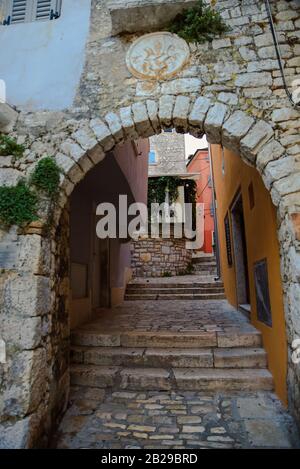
x=40 y=284
x=42 y=287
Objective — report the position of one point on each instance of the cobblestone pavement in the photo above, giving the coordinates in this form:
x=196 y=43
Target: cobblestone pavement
x=171 y=315
x=163 y=420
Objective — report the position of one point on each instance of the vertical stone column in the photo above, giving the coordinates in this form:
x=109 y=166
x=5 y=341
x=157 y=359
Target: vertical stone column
x=34 y=325
x=24 y=322
x=289 y=237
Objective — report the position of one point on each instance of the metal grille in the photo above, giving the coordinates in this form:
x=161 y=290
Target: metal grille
x=263 y=304
x=228 y=240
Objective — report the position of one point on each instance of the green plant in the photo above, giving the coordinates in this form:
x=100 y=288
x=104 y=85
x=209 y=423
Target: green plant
x=18 y=204
x=198 y=24
x=188 y=271
x=157 y=188
x=9 y=146
x=166 y=274
x=46 y=175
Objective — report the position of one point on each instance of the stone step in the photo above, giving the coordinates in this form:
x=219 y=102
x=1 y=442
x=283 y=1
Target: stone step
x=204 y=269
x=170 y=358
x=160 y=379
x=240 y=358
x=168 y=339
x=167 y=285
x=204 y=260
x=149 y=357
x=175 y=296
x=225 y=379
x=161 y=339
x=205 y=263
x=184 y=290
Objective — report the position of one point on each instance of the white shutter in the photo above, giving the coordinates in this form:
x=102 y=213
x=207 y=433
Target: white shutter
x=18 y=11
x=23 y=11
x=44 y=8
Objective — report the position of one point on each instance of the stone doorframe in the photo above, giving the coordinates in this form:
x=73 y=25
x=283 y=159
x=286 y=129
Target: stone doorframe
x=34 y=285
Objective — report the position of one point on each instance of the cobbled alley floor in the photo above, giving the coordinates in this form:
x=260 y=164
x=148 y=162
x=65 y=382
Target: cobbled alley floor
x=180 y=420
x=110 y=418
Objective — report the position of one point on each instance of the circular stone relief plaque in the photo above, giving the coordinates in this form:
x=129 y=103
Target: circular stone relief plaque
x=157 y=56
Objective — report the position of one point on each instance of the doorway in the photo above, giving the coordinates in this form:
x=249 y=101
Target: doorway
x=240 y=254
x=100 y=274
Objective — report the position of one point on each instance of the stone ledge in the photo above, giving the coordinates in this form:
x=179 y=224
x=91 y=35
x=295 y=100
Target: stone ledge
x=145 y=17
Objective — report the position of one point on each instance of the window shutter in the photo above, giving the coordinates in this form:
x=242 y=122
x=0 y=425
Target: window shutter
x=24 y=11
x=18 y=10
x=47 y=9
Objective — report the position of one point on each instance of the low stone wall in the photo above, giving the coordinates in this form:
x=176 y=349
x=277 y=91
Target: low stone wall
x=158 y=257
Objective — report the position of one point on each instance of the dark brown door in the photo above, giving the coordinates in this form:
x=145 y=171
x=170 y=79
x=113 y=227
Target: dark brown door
x=240 y=251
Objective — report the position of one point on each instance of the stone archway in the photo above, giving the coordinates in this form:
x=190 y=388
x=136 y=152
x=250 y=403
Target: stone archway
x=38 y=287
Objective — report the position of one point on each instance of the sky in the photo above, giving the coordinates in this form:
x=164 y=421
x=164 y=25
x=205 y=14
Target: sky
x=192 y=144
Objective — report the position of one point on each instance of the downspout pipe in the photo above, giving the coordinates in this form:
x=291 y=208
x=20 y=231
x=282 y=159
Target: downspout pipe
x=296 y=105
x=216 y=247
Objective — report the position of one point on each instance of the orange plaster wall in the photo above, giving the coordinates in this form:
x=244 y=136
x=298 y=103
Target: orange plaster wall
x=262 y=242
x=200 y=164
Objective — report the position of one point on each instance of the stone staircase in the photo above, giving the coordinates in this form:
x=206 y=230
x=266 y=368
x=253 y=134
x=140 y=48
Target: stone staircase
x=174 y=290
x=205 y=265
x=215 y=360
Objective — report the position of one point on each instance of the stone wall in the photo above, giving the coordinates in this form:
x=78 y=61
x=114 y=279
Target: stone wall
x=159 y=257
x=35 y=327
x=231 y=90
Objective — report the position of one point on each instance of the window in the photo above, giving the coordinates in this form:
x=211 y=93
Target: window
x=152 y=157
x=25 y=11
x=168 y=130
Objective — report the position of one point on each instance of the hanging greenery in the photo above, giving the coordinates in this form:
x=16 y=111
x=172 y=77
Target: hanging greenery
x=18 y=204
x=9 y=147
x=158 y=186
x=199 y=24
x=46 y=175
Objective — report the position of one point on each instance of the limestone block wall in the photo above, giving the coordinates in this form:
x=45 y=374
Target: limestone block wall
x=231 y=90
x=158 y=257
x=169 y=149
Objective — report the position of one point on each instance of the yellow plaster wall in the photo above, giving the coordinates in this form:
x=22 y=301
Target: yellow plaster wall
x=262 y=242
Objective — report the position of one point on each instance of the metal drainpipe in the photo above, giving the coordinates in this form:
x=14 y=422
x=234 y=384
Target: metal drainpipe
x=296 y=105
x=217 y=247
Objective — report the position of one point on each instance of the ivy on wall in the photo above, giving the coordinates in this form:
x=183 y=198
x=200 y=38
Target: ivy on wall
x=19 y=204
x=199 y=23
x=158 y=186
x=46 y=175
x=9 y=147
